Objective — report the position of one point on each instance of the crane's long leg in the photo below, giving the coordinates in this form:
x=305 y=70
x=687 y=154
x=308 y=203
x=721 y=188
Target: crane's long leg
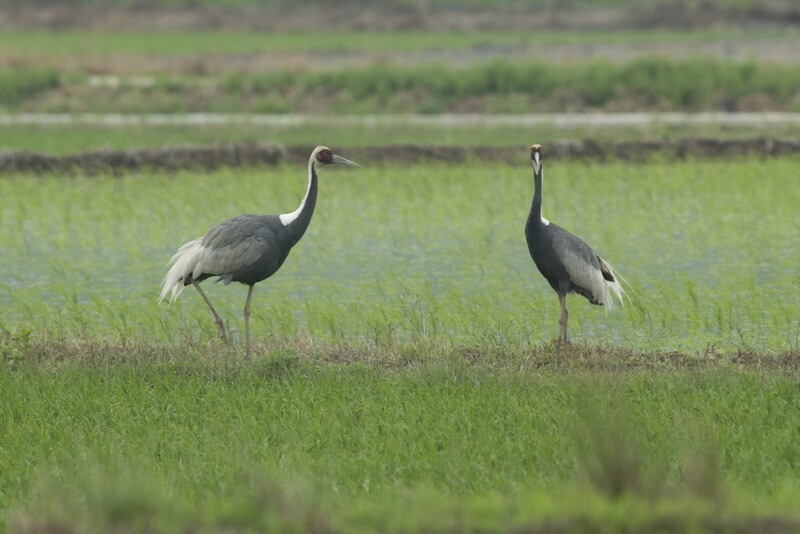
x=562 y=321
x=217 y=318
x=247 y=322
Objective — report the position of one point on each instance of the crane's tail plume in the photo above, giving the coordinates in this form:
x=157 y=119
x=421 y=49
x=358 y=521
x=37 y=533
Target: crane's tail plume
x=183 y=264
x=611 y=280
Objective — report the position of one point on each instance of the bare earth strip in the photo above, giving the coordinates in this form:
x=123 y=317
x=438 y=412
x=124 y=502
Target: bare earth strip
x=207 y=158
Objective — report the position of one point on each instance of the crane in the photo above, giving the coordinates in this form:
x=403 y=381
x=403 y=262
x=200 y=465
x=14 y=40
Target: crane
x=246 y=248
x=564 y=259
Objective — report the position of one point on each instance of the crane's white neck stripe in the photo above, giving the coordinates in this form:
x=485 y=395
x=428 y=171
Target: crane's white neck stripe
x=541 y=186
x=288 y=218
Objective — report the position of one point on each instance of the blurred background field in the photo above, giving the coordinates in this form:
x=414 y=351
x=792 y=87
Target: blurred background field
x=405 y=379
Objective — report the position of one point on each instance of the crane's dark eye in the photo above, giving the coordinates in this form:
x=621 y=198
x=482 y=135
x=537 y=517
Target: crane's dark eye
x=325 y=156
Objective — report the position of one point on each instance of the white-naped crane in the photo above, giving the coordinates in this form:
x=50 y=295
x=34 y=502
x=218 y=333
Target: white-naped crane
x=247 y=248
x=564 y=259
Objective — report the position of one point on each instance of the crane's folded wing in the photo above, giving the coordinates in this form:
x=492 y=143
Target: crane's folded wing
x=232 y=255
x=582 y=266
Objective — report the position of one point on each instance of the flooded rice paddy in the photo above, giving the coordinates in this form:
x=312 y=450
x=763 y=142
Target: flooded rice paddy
x=430 y=252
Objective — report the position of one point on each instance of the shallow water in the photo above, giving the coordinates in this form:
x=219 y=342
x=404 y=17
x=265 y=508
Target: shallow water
x=709 y=251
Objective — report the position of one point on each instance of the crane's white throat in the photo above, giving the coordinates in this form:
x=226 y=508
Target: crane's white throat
x=288 y=218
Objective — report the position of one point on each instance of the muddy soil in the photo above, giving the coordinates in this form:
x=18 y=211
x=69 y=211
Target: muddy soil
x=208 y=158
x=201 y=158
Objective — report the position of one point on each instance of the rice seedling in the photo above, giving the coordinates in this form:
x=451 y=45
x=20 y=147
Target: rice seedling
x=429 y=252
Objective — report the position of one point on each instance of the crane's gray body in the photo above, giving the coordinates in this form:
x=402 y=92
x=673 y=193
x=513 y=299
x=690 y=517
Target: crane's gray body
x=246 y=249
x=557 y=252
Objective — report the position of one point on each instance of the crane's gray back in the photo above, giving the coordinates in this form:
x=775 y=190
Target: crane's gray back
x=567 y=262
x=244 y=249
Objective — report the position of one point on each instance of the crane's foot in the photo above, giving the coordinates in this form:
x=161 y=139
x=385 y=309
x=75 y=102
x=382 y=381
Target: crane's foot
x=563 y=339
x=221 y=328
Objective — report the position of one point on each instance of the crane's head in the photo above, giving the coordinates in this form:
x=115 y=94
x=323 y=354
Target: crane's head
x=536 y=158
x=323 y=156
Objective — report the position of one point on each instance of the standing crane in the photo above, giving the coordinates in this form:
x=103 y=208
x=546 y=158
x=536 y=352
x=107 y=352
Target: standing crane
x=247 y=248
x=564 y=259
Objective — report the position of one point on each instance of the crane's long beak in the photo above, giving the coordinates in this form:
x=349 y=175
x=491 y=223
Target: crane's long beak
x=344 y=161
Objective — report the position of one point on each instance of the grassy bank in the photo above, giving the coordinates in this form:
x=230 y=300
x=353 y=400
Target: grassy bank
x=121 y=438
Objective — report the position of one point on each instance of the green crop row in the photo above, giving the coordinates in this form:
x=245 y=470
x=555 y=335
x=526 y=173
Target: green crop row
x=16 y=85
x=500 y=86
x=687 y=84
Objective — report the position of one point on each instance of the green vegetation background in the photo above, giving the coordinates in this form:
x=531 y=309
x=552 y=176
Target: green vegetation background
x=404 y=378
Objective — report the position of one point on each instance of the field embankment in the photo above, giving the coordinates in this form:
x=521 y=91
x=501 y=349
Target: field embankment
x=208 y=158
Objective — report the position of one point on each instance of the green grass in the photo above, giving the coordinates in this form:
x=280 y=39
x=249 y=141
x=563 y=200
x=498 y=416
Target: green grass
x=497 y=86
x=18 y=84
x=152 y=444
x=432 y=253
x=690 y=84
x=37 y=45
x=69 y=139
